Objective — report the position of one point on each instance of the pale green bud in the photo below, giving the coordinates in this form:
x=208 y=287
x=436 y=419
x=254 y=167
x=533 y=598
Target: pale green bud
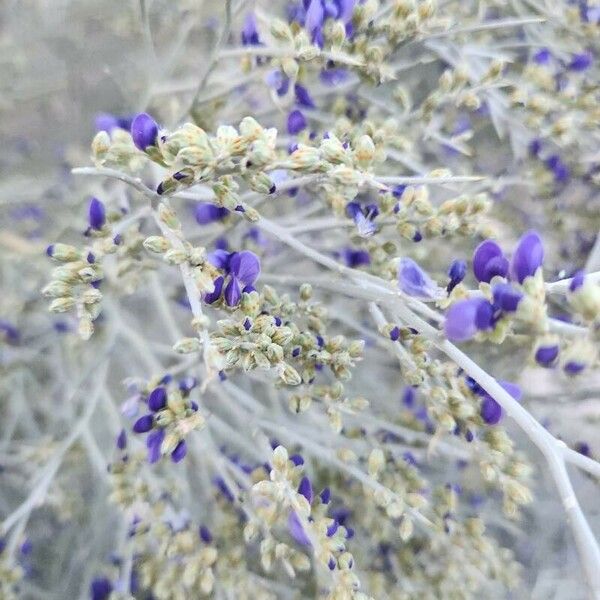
x=61 y=305
x=168 y=216
x=63 y=252
x=187 y=345
x=175 y=256
x=91 y=296
x=280 y=30
x=156 y=243
x=57 y=289
x=289 y=375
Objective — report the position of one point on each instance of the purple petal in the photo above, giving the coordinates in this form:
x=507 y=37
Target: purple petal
x=180 y=451
x=356 y=258
x=144 y=131
x=245 y=266
x=106 y=122
x=413 y=281
x=296 y=531
x=96 y=214
x=297 y=459
x=574 y=367
x=456 y=272
x=542 y=57
x=249 y=31
x=206 y=212
x=491 y=411
x=303 y=97
x=233 y=293
x=546 y=355
x=315 y=16
x=512 y=388
x=581 y=62
x=205 y=534
x=220 y=259
x=143 y=424
x=346 y=9
x=305 y=488
x=461 y=319
x=577 y=281
x=484 y=318
x=153 y=443
x=506 y=297
x=296 y=122
x=157 y=399
x=122 y=440
x=488 y=260
x=332 y=528
x=528 y=256
x=213 y=296
x=101 y=588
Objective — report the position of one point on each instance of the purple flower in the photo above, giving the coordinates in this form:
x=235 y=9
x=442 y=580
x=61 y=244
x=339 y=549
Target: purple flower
x=489 y=261
x=589 y=14
x=303 y=97
x=412 y=280
x=205 y=534
x=212 y=297
x=100 y=588
x=278 y=81
x=332 y=528
x=144 y=131
x=315 y=16
x=143 y=424
x=333 y=77
x=345 y=9
x=9 y=332
x=325 y=495
x=187 y=384
x=491 y=411
x=356 y=258
x=577 y=281
x=157 y=399
x=363 y=217
x=249 y=31
x=180 y=451
x=122 y=440
x=466 y=317
x=535 y=146
x=574 y=367
x=456 y=272
x=305 y=488
x=555 y=164
x=546 y=355
x=297 y=459
x=506 y=297
x=542 y=56
x=207 y=212
x=581 y=62
x=528 y=256
x=153 y=444
x=296 y=530
x=96 y=214
x=296 y=122
x=409 y=396
x=242 y=268
x=107 y=122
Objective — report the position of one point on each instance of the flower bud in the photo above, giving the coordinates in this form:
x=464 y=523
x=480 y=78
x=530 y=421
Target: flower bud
x=156 y=243
x=187 y=346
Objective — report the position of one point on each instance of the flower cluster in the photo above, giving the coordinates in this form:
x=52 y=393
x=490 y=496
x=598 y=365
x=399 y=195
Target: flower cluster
x=347 y=267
